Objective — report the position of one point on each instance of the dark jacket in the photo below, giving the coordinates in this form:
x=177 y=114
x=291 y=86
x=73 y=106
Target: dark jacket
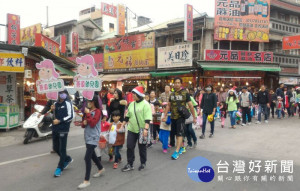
x=47 y=107
x=208 y=103
x=64 y=113
x=254 y=98
x=289 y=94
x=272 y=98
x=263 y=97
x=279 y=92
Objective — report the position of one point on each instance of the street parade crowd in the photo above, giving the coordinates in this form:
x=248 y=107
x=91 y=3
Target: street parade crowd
x=169 y=119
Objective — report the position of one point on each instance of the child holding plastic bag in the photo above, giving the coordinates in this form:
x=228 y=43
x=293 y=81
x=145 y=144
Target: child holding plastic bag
x=116 y=136
x=105 y=125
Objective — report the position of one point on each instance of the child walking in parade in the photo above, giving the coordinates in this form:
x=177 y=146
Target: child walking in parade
x=156 y=120
x=117 y=136
x=165 y=128
x=279 y=106
x=223 y=113
x=91 y=124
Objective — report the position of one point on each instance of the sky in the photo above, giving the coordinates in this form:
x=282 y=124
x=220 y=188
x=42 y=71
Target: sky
x=34 y=11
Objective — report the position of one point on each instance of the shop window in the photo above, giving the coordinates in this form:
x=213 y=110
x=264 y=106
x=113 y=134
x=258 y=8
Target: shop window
x=283 y=27
x=279 y=27
x=282 y=16
x=276 y=26
x=290 y=29
x=279 y=59
x=196 y=51
x=294 y=30
x=196 y=38
x=111 y=27
x=297 y=30
x=273 y=25
x=290 y=61
x=177 y=40
x=287 y=28
x=224 y=44
x=88 y=34
x=276 y=59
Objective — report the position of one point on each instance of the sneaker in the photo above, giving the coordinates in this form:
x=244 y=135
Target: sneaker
x=258 y=122
x=222 y=126
x=202 y=136
x=142 y=167
x=170 y=146
x=84 y=185
x=243 y=124
x=165 y=151
x=66 y=164
x=249 y=123
x=127 y=167
x=98 y=174
x=115 y=165
x=211 y=135
x=149 y=146
x=57 y=172
x=189 y=147
x=266 y=121
x=175 y=155
x=52 y=152
x=181 y=150
x=195 y=144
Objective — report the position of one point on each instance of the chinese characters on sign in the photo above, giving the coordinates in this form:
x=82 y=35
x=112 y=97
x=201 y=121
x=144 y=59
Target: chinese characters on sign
x=188 y=23
x=238 y=56
x=127 y=43
x=87 y=80
x=109 y=10
x=175 y=56
x=143 y=59
x=98 y=58
x=242 y=20
x=47 y=43
x=121 y=20
x=74 y=43
x=13 y=29
x=28 y=33
x=8 y=89
x=291 y=42
x=256 y=171
x=48 y=80
x=11 y=62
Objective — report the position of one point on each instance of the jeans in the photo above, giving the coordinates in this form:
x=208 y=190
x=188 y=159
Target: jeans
x=164 y=138
x=246 y=112
x=117 y=153
x=278 y=114
x=262 y=108
x=232 y=117
x=90 y=155
x=272 y=109
x=60 y=147
x=190 y=133
x=132 y=138
x=212 y=124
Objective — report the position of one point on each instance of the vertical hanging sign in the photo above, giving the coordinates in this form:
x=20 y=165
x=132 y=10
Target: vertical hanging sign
x=74 y=43
x=121 y=20
x=13 y=29
x=188 y=22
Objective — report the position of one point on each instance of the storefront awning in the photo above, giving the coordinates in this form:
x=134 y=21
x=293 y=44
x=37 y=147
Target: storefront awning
x=169 y=73
x=120 y=77
x=239 y=67
x=64 y=71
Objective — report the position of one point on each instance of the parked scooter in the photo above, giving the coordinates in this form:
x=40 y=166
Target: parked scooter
x=37 y=126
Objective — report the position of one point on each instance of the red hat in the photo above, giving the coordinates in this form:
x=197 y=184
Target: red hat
x=297 y=87
x=139 y=90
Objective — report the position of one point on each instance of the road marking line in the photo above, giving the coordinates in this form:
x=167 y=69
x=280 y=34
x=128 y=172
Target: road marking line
x=35 y=156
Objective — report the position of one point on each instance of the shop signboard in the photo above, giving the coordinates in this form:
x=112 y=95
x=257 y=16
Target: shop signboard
x=87 y=80
x=48 y=82
x=127 y=43
x=291 y=42
x=13 y=29
x=47 y=43
x=109 y=10
x=74 y=43
x=8 y=89
x=28 y=33
x=121 y=20
x=238 y=56
x=98 y=58
x=242 y=20
x=175 y=56
x=12 y=62
x=188 y=23
x=135 y=60
x=288 y=80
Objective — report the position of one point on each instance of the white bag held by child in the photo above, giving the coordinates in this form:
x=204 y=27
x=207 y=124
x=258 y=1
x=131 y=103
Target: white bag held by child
x=112 y=135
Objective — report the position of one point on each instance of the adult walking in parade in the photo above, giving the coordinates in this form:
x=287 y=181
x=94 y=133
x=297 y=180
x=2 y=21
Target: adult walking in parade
x=246 y=103
x=263 y=104
x=178 y=99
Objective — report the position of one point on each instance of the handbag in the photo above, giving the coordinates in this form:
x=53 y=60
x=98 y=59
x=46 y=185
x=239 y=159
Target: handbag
x=182 y=110
x=189 y=120
x=142 y=138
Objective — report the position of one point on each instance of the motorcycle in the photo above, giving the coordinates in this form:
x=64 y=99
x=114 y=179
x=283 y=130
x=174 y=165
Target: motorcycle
x=37 y=125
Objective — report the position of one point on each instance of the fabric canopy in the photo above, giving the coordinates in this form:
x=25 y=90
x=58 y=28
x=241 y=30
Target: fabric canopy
x=120 y=77
x=169 y=73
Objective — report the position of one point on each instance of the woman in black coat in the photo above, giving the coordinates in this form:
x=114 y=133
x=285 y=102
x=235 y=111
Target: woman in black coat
x=118 y=103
